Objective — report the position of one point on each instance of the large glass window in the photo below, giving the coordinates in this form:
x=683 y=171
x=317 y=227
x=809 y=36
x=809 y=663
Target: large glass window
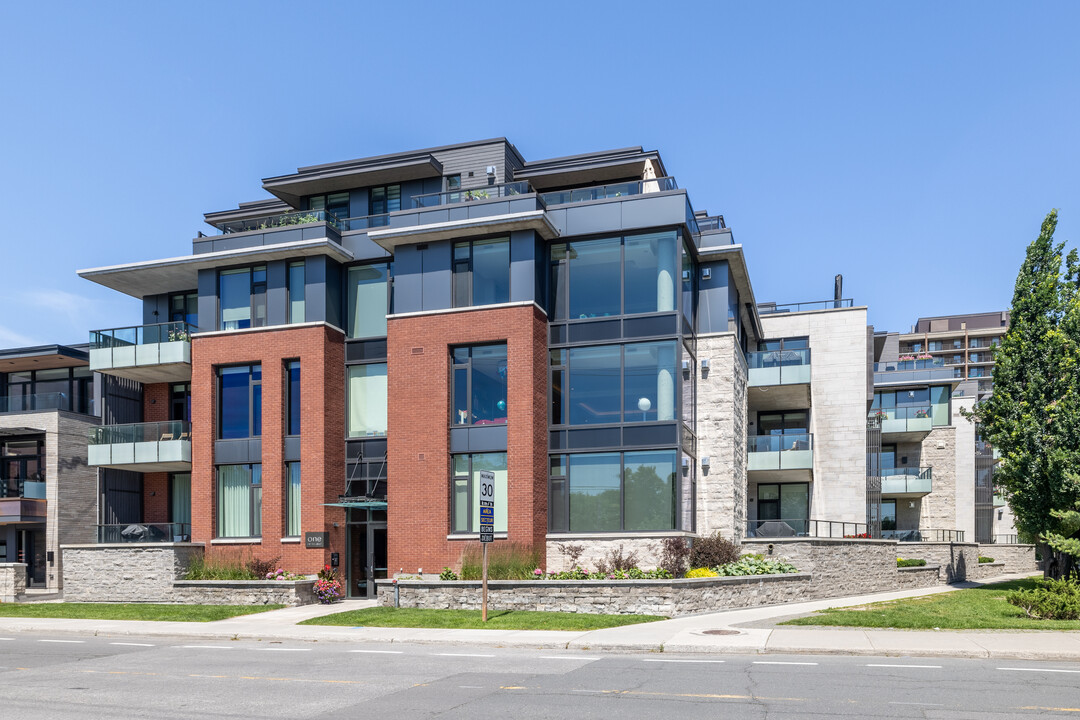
x=481 y=272
x=292 y=397
x=180 y=402
x=292 y=499
x=939 y=403
x=240 y=402
x=595 y=285
x=337 y=204
x=239 y=501
x=465 y=491
x=614 y=383
x=795 y=422
x=479 y=390
x=367 y=400
x=649 y=273
x=297 y=293
x=369 y=300
x=242 y=293
x=184 y=307
x=384 y=199
x=180 y=501
x=789 y=502
x=888 y=514
x=613 y=492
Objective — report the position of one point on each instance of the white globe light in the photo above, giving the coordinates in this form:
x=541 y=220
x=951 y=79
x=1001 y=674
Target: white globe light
x=644 y=404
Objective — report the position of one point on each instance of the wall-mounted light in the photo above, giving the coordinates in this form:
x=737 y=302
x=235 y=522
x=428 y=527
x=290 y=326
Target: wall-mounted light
x=705 y=462
x=706 y=273
x=705 y=364
x=490 y=169
x=686 y=368
x=685 y=463
x=685 y=274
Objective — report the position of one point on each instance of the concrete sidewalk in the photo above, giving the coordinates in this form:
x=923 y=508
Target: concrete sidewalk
x=692 y=634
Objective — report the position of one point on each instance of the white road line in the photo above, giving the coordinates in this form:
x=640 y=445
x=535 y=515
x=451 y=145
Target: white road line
x=206 y=647
x=918 y=703
x=63 y=641
x=1041 y=670
x=590 y=691
x=378 y=652
x=7 y=638
x=897 y=665
x=780 y=662
x=672 y=660
x=462 y=655
x=472 y=687
x=134 y=644
x=567 y=657
x=285 y=649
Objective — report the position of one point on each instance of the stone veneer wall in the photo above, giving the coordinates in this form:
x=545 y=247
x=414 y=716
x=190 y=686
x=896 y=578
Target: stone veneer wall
x=981 y=571
x=1017 y=558
x=918 y=577
x=839 y=566
x=957 y=560
x=648 y=549
x=12 y=582
x=721 y=436
x=150 y=573
x=938 y=509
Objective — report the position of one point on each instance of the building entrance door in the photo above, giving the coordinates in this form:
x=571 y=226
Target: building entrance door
x=367 y=553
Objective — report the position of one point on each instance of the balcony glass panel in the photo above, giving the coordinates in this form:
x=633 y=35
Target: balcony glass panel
x=779 y=367
x=780 y=452
x=616 y=190
x=457 y=195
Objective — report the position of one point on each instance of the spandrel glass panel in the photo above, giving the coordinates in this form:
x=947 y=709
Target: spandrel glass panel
x=594 y=385
x=649 y=272
x=594 y=492
x=649 y=487
x=368 y=300
x=297 y=293
x=595 y=278
x=795 y=501
x=235 y=294
x=939 y=402
x=491 y=271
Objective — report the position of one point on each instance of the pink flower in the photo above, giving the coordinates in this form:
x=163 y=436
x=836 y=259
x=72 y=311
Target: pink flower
x=538 y=572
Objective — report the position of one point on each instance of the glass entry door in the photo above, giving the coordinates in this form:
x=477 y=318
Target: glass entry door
x=367 y=553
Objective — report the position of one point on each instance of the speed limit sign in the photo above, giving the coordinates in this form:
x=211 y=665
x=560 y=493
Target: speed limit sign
x=487 y=506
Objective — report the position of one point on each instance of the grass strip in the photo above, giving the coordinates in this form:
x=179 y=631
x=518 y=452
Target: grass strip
x=131 y=611
x=981 y=608
x=470 y=619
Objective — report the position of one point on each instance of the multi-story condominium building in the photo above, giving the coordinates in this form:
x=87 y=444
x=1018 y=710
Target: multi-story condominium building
x=49 y=403
x=961 y=342
x=325 y=378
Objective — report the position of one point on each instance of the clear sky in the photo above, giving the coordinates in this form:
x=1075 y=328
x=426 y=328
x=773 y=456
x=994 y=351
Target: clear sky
x=913 y=147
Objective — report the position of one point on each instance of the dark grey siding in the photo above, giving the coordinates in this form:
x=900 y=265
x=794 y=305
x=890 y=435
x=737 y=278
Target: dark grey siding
x=475 y=159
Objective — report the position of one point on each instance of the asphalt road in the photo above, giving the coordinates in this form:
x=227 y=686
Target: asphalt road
x=157 y=679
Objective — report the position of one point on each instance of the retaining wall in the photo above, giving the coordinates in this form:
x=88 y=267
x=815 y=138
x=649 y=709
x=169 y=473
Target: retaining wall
x=150 y=573
x=1017 y=558
x=12 y=582
x=926 y=576
x=957 y=560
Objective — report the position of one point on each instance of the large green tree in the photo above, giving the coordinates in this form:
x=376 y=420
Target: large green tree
x=1033 y=416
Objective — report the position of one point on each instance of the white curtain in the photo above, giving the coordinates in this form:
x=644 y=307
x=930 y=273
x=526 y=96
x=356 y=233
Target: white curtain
x=236 y=501
x=367 y=400
x=181 y=498
x=292 y=520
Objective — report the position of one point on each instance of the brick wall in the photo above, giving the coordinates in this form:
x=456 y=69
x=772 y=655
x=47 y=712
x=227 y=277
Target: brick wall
x=418 y=491
x=321 y=352
x=156 y=485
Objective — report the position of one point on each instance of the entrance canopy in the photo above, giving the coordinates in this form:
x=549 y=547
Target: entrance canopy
x=360 y=504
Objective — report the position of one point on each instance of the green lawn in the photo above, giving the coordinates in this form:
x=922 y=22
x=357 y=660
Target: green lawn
x=470 y=619
x=981 y=608
x=131 y=611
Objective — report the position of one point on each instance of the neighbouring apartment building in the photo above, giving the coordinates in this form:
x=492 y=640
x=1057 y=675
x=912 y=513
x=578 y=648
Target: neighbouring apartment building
x=325 y=377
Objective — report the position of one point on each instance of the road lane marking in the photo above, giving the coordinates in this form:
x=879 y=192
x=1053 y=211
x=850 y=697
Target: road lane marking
x=567 y=657
x=133 y=644
x=378 y=652
x=462 y=655
x=1055 y=670
x=673 y=660
x=472 y=687
x=7 y=638
x=63 y=641
x=898 y=665
x=206 y=647
x=1051 y=709
x=781 y=662
x=285 y=649
x=918 y=703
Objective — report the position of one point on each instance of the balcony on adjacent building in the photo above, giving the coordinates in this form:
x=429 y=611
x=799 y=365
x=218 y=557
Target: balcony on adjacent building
x=905 y=424
x=142 y=447
x=771 y=308
x=779 y=379
x=144 y=353
x=906 y=482
x=271 y=230
x=144 y=533
x=780 y=457
x=44 y=402
x=905 y=372
x=31 y=488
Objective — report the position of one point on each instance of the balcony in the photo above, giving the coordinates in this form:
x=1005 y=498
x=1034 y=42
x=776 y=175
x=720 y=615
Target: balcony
x=144 y=533
x=144 y=353
x=287 y=220
x=772 y=308
x=906 y=482
x=142 y=447
x=41 y=402
x=905 y=424
x=32 y=488
x=906 y=372
x=803 y=527
x=22 y=510
x=606 y=192
x=780 y=457
x=485 y=192
x=779 y=379
x=276 y=229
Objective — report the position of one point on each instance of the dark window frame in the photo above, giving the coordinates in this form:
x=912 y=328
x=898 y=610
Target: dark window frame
x=469 y=267
x=252 y=384
x=255 y=517
x=467 y=476
x=384 y=208
x=185 y=299
x=287 y=504
x=257 y=296
x=293 y=405
x=290 y=290
x=468 y=367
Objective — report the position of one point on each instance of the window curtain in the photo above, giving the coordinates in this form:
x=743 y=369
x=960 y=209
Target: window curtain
x=181 y=499
x=292 y=521
x=234 y=501
x=367 y=400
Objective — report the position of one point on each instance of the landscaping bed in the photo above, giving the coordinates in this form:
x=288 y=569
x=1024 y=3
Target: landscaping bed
x=131 y=611
x=470 y=619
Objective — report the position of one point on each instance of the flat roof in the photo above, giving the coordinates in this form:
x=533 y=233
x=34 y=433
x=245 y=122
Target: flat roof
x=42 y=357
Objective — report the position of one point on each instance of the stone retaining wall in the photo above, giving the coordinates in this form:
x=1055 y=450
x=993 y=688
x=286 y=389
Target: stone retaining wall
x=150 y=573
x=12 y=582
x=910 y=578
x=1017 y=558
x=956 y=559
x=982 y=571
x=839 y=566
x=646 y=597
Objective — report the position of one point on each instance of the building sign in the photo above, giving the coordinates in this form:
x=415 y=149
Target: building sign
x=315 y=539
x=487 y=506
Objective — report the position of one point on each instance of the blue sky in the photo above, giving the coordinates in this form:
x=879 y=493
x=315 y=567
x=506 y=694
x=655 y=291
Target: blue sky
x=913 y=147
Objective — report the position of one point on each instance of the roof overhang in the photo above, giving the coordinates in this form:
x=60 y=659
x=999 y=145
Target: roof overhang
x=536 y=220
x=8 y=432
x=247 y=211
x=319 y=179
x=590 y=168
x=45 y=357
x=736 y=260
x=178 y=274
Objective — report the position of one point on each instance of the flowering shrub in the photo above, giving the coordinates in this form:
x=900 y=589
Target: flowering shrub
x=632 y=574
x=448 y=574
x=910 y=562
x=280 y=574
x=702 y=573
x=327 y=587
x=858 y=536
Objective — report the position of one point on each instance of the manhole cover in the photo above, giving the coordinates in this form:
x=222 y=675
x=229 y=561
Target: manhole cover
x=719 y=632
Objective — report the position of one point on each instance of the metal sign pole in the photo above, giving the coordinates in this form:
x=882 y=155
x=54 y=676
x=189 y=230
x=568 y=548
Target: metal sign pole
x=483 y=601
x=487 y=531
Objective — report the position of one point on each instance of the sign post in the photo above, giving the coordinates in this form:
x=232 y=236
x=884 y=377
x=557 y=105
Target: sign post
x=487 y=530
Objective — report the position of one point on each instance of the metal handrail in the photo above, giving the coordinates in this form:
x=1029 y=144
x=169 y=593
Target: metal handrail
x=780 y=443
x=803 y=527
x=280 y=220
x=144 y=532
x=177 y=331
x=615 y=190
x=483 y=192
x=769 y=308
x=164 y=431
x=36 y=402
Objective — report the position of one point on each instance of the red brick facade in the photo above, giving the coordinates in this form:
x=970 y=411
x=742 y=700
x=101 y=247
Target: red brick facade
x=156 y=485
x=321 y=352
x=418 y=448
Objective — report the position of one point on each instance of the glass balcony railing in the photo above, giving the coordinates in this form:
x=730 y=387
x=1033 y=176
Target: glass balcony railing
x=366 y=222
x=486 y=192
x=900 y=481
x=802 y=527
x=141 y=335
x=709 y=224
x=144 y=533
x=40 y=402
x=155 y=446
x=770 y=308
x=778 y=367
x=780 y=452
x=912 y=370
x=280 y=220
x=921 y=535
x=602 y=192
x=32 y=488
x=140 y=432
x=905 y=419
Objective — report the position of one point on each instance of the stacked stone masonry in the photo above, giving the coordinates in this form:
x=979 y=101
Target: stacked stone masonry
x=12 y=582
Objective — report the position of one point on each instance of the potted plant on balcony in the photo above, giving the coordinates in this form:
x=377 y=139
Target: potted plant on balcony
x=922 y=414
x=880 y=415
x=906 y=358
